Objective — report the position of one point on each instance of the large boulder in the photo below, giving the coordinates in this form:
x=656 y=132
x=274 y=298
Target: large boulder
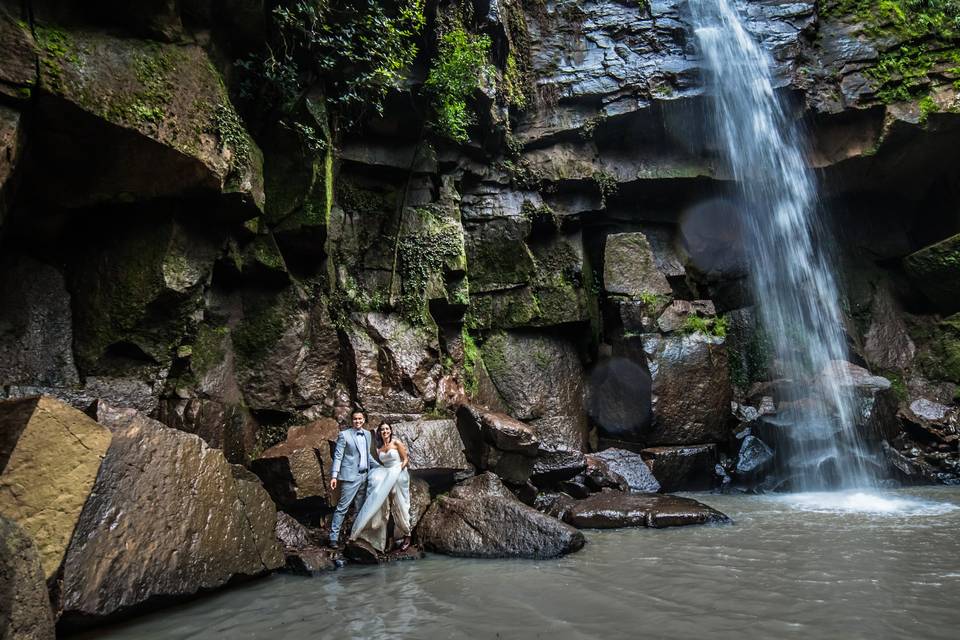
x=691 y=389
x=481 y=518
x=432 y=444
x=629 y=267
x=167 y=517
x=24 y=606
x=50 y=455
x=689 y=468
x=615 y=509
x=628 y=467
x=163 y=108
x=297 y=471
x=36 y=334
x=396 y=364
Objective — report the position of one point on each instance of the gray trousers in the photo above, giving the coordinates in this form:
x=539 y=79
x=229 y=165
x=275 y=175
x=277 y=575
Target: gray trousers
x=349 y=492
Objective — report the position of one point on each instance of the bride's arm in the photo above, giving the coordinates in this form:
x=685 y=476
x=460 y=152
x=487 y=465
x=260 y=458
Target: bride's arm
x=402 y=450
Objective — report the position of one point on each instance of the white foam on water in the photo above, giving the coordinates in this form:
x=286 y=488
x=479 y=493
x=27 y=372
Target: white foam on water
x=865 y=502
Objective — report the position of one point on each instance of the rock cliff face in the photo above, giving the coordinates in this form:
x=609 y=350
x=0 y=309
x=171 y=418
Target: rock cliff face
x=572 y=266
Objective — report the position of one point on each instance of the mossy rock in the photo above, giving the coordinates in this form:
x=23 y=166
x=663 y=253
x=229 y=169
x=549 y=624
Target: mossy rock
x=936 y=271
x=189 y=136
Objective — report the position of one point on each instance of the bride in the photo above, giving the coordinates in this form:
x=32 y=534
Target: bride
x=388 y=492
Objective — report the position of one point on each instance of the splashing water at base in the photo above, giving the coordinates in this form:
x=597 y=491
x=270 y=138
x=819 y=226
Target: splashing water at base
x=797 y=297
x=862 y=502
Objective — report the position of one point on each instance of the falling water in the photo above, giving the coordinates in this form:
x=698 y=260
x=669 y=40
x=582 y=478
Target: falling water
x=796 y=294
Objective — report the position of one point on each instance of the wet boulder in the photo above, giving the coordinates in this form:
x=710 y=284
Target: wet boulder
x=628 y=467
x=481 y=518
x=691 y=389
x=50 y=455
x=554 y=466
x=296 y=472
x=432 y=444
x=686 y=468
x=161 y=107
x=25 y=606
x=615 y=509
x=217 y=523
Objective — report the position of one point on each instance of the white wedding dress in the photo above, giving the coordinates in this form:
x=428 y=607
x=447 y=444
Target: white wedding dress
x=388 y=492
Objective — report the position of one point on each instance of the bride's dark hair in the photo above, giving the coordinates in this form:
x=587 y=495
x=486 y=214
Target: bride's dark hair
x=380 y=439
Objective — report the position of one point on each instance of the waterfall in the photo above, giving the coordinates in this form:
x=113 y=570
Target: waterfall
x=796 y=296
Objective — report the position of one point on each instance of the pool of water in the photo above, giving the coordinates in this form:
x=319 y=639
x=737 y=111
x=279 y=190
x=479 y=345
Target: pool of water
x=793 y=566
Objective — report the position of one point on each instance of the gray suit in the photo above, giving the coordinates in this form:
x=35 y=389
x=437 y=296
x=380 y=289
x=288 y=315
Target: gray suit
x=352 y=479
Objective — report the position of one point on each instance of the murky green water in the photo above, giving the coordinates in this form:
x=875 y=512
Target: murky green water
x=791 y=567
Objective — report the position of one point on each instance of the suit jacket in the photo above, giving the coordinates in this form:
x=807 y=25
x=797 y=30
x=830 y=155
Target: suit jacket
x=346 y=457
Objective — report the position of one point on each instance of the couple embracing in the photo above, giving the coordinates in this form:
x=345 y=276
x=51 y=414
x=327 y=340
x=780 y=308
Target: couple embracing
x=374 y=476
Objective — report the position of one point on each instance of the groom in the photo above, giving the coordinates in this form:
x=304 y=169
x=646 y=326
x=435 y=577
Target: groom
x=352 y=460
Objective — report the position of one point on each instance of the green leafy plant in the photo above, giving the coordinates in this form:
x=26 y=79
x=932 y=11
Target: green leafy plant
x=461 y=60
x=355 y=50
x=707 y=326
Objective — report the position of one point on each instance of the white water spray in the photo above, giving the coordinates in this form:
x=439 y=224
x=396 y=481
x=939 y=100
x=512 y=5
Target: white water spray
x=795 y=292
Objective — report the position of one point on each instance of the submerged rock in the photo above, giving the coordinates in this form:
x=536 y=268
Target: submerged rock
x=481 y=518
x=168 y=516
x=25 y=606
x=50 y=455
x=615 y=509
